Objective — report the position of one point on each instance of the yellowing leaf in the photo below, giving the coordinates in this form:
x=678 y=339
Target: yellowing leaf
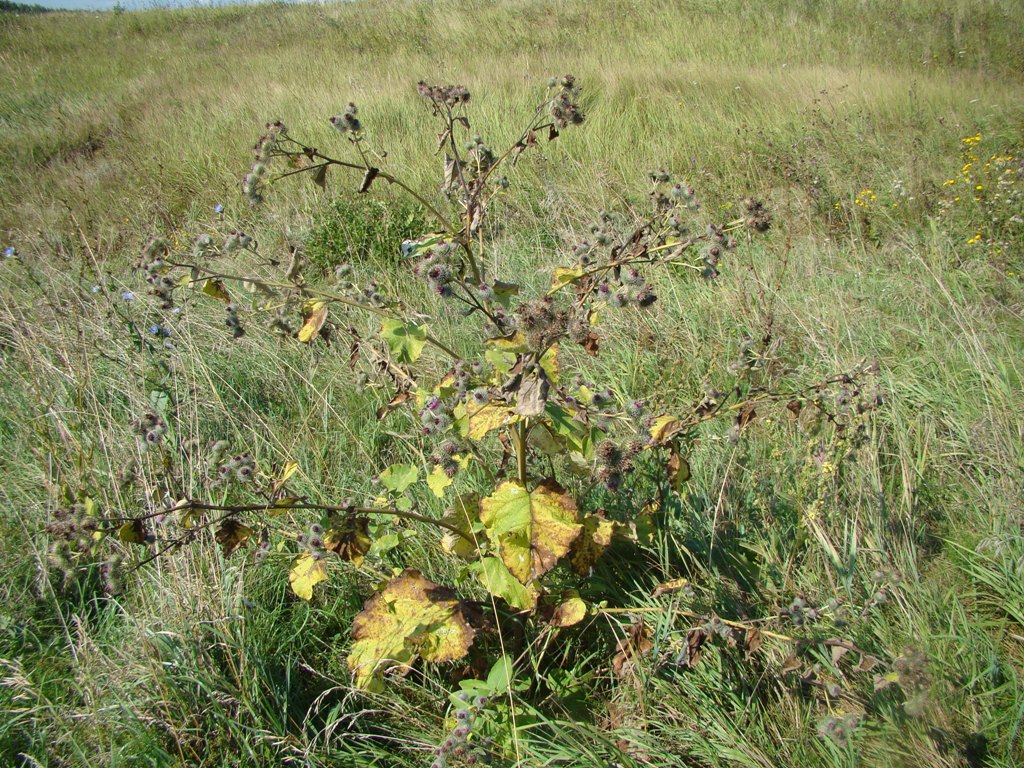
x=306 y=572
x=437 y=481
x=572 y=610
x=132 y=532
x=514 y=343
x=405 y=340
x=349 y=539
x=594 y=539
x=531 y=529
x=565 y=276
x=314 y=315
x=668 y=587
x=286 y=474
x=549 y=362
x=231 y=535
x=464 y=515
x=283 y=504
x=410 y=617
x=216 y=290
x=663 y=428
x=487 y=418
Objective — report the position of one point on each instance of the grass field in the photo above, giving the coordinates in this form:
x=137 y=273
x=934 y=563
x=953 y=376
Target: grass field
x=886 y=137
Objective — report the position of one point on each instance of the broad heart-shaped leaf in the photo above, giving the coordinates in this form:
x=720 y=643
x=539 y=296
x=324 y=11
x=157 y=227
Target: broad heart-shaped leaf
x=398 y=477
x=306 y=572
x=532 y=529
x=411 y=616
x=499 y=581
x=405 y=340
x=349 y=539
x=314 y=315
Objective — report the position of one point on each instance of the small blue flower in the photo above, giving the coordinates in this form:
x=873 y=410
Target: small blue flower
x=127 y=295
x=10 y=252
x=218 y=208
x=155 y=330
x=95 y=289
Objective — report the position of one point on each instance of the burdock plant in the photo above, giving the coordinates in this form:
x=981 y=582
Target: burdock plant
x=509 y=426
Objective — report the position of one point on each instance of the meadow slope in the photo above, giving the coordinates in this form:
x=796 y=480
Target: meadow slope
x=886 y=137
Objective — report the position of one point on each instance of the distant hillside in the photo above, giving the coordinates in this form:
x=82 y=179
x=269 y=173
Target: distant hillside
x=8 y=7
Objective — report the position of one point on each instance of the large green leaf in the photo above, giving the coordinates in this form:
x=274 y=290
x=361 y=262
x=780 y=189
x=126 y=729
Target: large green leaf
x=499 y=581
x=410 y=617
x=398 y=477
x=405 y=340
x=531 y=529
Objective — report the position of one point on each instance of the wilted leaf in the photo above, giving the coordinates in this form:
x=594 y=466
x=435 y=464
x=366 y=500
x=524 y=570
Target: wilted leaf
x=867 y=663
x=216 y=290
x=678 y=470
x=531 y=529
x=306 y=571
x=398 y=477
x=464 y=515
x=837 y=650
x=320 y=176
x=565 y=276
x=636 y=643
x=692 y=651
x=411 y=616
x=791 y=664
x=231 y=535
x=437 y=481
x=368 y=177
x=290 y=468
x=405 y=340
x=668 y=587
x=588 y=547
x=504 y=291
x=884 y=681
x=132 y=532
x=571 y=610
x=499 y=581
x=400 y=397
x=349 y=538
x=532 y=395
x=746 y=416
x=314 y=315
x=752 y=641
x=664 y=428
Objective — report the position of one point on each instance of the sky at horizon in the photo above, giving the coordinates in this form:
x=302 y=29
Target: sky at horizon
x=138 y=5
